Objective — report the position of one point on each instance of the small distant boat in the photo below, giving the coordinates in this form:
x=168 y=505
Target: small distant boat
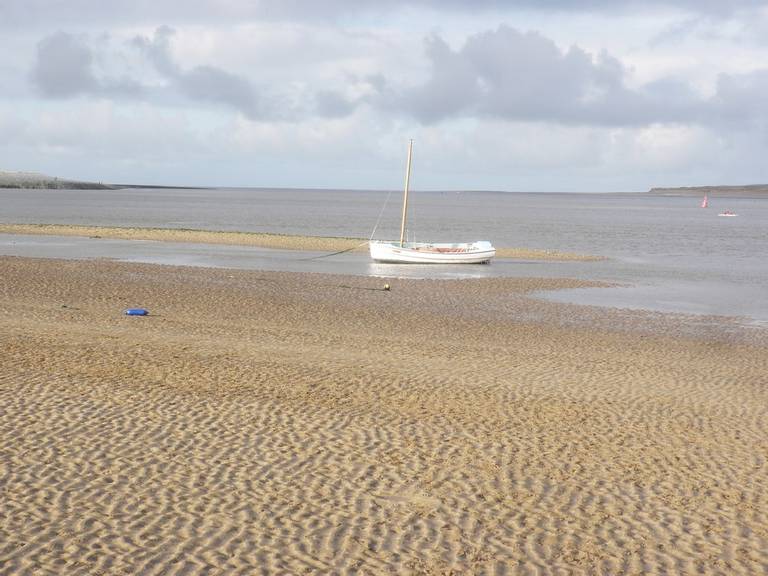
x=403 y=252
x=704 y=202
x=727 y=213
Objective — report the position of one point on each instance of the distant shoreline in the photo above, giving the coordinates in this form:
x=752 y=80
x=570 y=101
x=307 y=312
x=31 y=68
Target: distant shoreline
x=260 y=239
x=35 y=181
x=746 y=191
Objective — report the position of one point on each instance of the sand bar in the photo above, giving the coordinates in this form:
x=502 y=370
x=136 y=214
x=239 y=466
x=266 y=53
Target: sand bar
x=303 y=423
x=264 y=240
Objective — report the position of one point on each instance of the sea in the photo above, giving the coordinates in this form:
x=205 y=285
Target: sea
x=662 y=253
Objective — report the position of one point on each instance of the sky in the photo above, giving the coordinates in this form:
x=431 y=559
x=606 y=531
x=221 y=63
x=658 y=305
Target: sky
x=516 y=95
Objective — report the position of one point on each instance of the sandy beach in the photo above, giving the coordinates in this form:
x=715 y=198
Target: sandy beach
x=265 y=422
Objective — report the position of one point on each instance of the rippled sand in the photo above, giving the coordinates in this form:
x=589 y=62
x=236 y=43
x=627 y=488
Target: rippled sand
x=281 y=241
x=299 y=423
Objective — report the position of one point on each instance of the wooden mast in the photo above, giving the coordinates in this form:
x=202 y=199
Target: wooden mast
x=405 y=194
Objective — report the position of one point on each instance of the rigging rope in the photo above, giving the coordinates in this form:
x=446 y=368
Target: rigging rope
x=381 y=212
x=335 y=253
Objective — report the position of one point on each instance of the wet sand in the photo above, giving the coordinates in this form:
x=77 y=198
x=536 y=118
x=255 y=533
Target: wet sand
x=304 y=423
x=279 y=241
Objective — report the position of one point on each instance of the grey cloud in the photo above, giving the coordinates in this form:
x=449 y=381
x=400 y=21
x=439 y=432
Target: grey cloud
x=207 y=83
x=750 y=27
x=42 y=13
x=453 y=87
x=502 y=73
x=740 y=99
x=332 y=104
x=212 y=84
x=158 y=50
x=218 y=86
x=63 y=66
x=512 y=75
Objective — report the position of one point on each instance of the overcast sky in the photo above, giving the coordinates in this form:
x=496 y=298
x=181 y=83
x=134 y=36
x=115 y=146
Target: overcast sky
x=528 y=95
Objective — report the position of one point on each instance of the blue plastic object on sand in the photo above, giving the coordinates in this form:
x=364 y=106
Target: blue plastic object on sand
x=136 y=312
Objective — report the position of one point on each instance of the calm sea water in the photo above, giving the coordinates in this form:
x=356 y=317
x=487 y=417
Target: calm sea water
x=670 y=254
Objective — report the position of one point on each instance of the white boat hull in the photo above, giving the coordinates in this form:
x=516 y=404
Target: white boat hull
x=439 y=253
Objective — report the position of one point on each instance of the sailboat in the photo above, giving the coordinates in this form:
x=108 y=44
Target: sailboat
x=704 y=202
x=402 y=252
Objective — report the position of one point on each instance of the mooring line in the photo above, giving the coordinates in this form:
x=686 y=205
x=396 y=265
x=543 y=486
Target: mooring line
x=335 y=253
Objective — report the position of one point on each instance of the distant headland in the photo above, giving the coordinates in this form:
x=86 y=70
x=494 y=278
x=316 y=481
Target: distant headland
x=746 y=191
x=43 y=181
x=37 y=180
